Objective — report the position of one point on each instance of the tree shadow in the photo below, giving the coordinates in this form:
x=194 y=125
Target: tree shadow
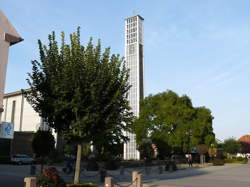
x=179 y=174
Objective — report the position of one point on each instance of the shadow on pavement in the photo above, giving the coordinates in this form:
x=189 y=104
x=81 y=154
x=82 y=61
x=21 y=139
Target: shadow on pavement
x=190 y=172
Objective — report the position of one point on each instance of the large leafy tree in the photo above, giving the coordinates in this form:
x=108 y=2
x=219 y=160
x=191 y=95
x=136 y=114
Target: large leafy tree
x=81 y=92
x=231 y=146
x=172 y=123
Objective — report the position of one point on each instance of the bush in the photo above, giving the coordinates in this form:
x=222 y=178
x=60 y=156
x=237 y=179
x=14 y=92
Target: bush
x=85 y=184
x=229 y=160
x=240 y=160
x=50 y=178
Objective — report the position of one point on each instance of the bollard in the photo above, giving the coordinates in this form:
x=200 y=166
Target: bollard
x=139 y=180
x=122 y=170
x=30 y=181
x=32 y=169
x=134 y=177
x=108 y=182
x=160 y=169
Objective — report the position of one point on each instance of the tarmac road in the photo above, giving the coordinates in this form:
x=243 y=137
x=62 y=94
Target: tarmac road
x=13 y=175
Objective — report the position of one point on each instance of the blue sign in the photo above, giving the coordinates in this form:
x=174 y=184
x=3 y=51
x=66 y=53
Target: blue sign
x=6 y=130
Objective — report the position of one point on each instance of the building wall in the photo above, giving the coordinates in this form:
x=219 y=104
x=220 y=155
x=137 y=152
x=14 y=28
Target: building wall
x=26 y=122
x=134 y=62
x=8 y=37
x=18 y=111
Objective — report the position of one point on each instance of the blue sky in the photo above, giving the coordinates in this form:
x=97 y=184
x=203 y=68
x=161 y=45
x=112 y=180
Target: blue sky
x=197 y=48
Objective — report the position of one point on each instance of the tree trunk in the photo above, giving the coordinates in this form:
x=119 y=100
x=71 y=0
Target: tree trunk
x=78 y=164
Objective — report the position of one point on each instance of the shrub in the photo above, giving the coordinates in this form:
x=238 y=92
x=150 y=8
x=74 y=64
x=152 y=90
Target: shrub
x=240 y=158
x=85 y=184
x=50 y=178
x=229 y=160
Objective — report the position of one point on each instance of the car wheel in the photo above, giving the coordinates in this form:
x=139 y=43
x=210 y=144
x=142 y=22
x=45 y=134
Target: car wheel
x=20 y=163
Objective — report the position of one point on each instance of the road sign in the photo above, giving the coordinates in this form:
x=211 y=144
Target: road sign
x=6 y=130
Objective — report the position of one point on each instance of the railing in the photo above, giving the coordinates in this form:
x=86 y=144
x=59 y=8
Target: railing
x=136 y=181
x=108 y=182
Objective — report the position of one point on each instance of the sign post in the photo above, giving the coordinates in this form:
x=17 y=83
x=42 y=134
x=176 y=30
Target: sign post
x=8 y=37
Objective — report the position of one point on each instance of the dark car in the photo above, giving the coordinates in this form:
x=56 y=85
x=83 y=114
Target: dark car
x=21 y=159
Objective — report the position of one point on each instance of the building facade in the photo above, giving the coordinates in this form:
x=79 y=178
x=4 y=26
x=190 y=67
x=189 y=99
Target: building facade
x=18 y=111
x=8 y=37
x=26 y=122
x=134 y=62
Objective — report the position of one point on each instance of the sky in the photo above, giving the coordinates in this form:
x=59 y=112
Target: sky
x=193 y=47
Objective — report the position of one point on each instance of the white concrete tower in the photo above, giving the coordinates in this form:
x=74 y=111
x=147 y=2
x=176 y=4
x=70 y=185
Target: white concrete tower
x=134 y=62
x=8 y=37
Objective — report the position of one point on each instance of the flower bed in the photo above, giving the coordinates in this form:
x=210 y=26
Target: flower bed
x=50 y=178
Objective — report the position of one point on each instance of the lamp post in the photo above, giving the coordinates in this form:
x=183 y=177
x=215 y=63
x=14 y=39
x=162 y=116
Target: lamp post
x=8 y=37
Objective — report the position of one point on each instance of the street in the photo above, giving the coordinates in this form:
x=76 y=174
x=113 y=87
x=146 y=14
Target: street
x=13 y=175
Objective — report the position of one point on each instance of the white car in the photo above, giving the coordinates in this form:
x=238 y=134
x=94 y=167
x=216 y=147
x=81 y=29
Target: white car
x=21 y=159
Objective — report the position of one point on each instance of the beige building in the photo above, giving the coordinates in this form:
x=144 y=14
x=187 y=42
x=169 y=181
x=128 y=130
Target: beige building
x=26 y=122
x=18 y=111
x=8 y=37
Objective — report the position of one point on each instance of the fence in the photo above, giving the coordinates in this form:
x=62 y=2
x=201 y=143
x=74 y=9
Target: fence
x=108 y=182
x=119 y=177
x=136 y=181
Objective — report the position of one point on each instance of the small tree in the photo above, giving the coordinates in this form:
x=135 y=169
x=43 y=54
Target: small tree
x=42 y=144
x=81 y=92
x=231 y=146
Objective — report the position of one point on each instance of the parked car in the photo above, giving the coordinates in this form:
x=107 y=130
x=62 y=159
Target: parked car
x=21 y=159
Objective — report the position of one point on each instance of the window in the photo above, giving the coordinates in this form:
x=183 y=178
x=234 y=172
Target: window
x=13 y=111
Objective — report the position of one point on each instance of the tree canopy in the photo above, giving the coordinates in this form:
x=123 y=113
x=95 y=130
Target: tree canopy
x=231 y=146
x=172 y=123
x=81 y=91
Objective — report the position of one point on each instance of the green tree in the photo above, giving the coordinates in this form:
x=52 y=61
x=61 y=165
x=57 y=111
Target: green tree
x=172 y=123
x=81 y=93
x=42 y=144
x=231 y=146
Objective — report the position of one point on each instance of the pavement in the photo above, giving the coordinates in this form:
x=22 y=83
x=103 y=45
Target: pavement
x=233 y=175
